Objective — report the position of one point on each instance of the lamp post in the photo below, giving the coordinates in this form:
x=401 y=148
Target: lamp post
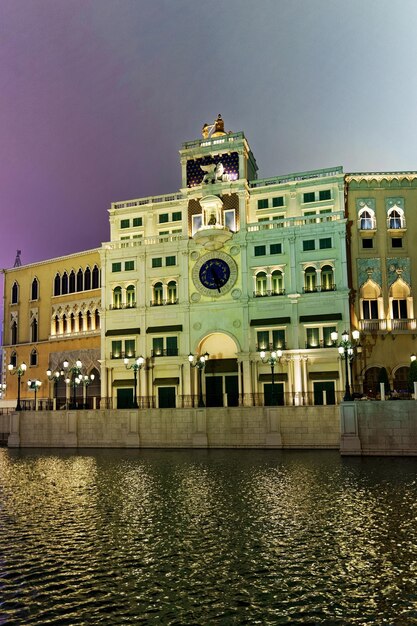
x=34 y=386
x=135 y=366
x=271 y=360
x=346 y=349
x=199 y=361
x=54 y=377
x=74 y=379
x=20 y=371
x=87 y=380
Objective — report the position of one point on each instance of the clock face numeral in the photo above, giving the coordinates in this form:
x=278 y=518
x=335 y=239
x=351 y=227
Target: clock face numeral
x=214 y=274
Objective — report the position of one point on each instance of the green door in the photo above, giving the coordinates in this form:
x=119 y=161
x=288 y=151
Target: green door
x=124 y=398
x=275 y=397
x=328 y=387
x=166 y=397
x=214 y=391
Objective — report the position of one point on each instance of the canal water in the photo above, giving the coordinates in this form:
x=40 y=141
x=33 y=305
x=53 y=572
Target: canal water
x=174 y=537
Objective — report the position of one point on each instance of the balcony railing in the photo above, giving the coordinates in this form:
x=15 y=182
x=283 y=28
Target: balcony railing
x=163 y=302
x=122 y=355
x=270 y=347
x=372 y=325
x=166 y=352
x=320 y=344
x=403 y=324
x=126 y=305
x=269 y=292
x=331 y=287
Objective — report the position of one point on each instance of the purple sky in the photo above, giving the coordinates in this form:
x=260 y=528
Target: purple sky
x=98 y=95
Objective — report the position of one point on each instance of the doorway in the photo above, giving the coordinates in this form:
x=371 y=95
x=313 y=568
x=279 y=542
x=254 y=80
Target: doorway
x=124 y=398
x=319 y=388
x=277 y=397
x=166 y=397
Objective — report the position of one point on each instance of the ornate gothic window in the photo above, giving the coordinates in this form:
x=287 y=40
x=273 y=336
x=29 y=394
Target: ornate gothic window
x=34 y=292
x=14 y=332
x=15 y=293
x=261 y=284
x=72 y=282
x=172 y=292
x=396 y=218
x=157 y=294
x=117 y=298
x=277 y=282
x=327 y=278
x=33 y=359
x=34 y=331
x=96 y=277
x=80 y=280
x=130 y=296
x=367 y=219
x=87 y=279
x=64 y=283
x=57 y=285
x=310 y=278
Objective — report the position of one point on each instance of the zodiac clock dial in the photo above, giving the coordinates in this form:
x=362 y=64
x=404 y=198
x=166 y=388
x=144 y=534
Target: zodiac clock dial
x=214 y=274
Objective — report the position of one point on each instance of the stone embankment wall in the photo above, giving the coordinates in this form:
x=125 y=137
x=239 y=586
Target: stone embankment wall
x=379 y=428
x=238 y=427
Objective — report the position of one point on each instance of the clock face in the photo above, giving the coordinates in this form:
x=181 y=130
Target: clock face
x=214 y=274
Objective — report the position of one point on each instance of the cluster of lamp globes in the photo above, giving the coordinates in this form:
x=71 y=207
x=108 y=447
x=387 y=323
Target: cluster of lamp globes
x=78 y=377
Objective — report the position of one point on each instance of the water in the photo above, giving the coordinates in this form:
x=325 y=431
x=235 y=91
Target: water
x=206 y=537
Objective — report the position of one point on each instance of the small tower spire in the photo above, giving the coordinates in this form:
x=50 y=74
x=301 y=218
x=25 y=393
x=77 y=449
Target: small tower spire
x=17 y=261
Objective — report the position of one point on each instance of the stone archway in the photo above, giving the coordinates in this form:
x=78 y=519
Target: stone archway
x=221 y=372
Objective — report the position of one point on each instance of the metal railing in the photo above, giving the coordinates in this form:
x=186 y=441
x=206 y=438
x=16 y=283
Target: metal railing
x=269 y=292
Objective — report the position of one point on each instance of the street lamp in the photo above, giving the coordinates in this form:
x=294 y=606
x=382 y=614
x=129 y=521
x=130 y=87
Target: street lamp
x=34 y=386
x=136 y=366
x=346 y=350
x=54 y=377
x=271 y=360
x=20 y=371
x=199 y=361
x=75 y=379
x=87 y=380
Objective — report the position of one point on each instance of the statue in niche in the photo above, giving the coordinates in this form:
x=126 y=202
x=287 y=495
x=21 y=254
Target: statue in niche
x=212 y=220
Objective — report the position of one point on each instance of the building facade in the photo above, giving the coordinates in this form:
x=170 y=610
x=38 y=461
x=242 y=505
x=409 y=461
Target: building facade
x=52 y=317
x=226 y=267
x=381 y=209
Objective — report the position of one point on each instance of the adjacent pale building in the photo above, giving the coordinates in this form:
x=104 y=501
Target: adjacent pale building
x=226 y=267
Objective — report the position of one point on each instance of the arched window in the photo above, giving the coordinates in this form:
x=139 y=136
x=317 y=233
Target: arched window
x=72 y=323
x=15 y=293
x=327 y=278
x=157 y=294
x=400 y=382
x=64 y=324
x=399 y=293
x=13 y=359
x=172 y=292
x=64 y=283
x=87 y=279
x=72 y=282
x=57 y=285
x=88 y=320
x=117 y=298
x=33 y=359
x=13 y=333
x=96 y=277
x=80 y=280
x=277 y=282
x=261 y=284
x=370 y=382
x=97 y=318
x=310 y=279
x=130 y=296
x=34 y=331
x=80 y=322
x=367 y=219
x=369 y=300
x=396 y=218
x=56 y=325
x=34 y=292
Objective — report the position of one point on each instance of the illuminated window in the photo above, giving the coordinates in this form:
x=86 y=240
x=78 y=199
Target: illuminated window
x=261 y=284
x=396 y=218
x=310 y=278
x=172 y=292
x=157 y=294
x=130 y=348
x=130 y=296
x=327 y=278
x=117 y=298
x=116 y=349
x=367 y=219
x=277 y=282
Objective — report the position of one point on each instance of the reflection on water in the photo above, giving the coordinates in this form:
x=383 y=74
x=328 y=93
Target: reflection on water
x=206 y=537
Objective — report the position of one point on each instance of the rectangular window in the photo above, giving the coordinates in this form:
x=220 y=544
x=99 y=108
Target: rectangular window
x=263 y=204
x=129 y=265
x=157 y=262
x=172 y=346
x=325 y=243
x=396 y=242
x=170 y=260
x=313 y=338
x=309 y=197
x=116 y=349
x=163 y=218
x=158 y=346
x=124 y=223
x=137 y=221
x=279 y=201
x=129 y=348
x=197 y=222
x=327 y=339
x=399 y=309
x=278 y=339
x=177 y=216
x=370 y=309
x=367 y=243
x=230 y=219
x=260 y=250
x=309 y=244
x=116 y=267
x=324 y=194
x=275 y=248
x=262 y=338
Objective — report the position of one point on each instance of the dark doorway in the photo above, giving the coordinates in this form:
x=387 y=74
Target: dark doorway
x=232 y=390
x=124 y=398
x=328 y=387
x=214 y=391
x=274 y=395
x=166 y=397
